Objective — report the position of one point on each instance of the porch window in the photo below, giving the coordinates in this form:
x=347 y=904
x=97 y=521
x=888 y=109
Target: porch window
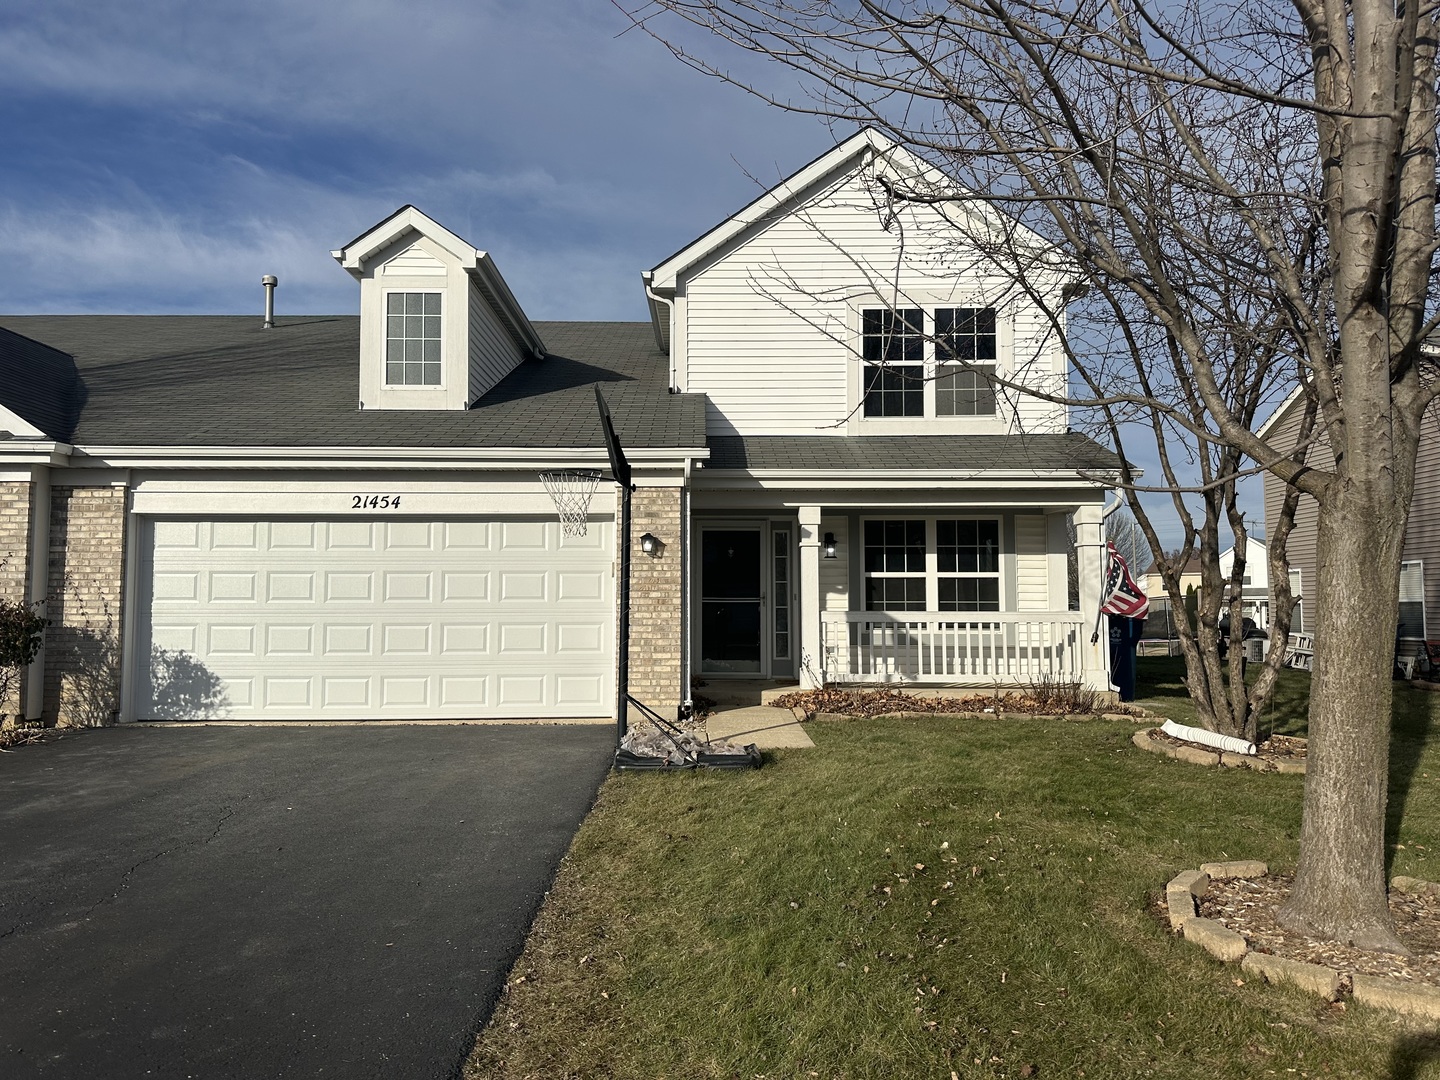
x=895 y=566
x=941 y=564
x=968 y=565
x=893 y=348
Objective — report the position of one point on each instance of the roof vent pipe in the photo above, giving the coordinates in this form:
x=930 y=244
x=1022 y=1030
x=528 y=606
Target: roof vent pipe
x=269 y=281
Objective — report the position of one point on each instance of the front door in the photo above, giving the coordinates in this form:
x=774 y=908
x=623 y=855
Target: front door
x=731 y=601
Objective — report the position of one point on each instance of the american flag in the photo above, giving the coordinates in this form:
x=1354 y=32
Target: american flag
x=1121 y=596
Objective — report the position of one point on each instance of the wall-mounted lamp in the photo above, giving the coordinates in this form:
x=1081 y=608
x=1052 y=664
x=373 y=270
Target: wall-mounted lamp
x=829 y=545
x=650 y=544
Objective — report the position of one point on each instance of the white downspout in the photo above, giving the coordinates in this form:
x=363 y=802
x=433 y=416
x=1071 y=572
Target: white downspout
x=669 y=347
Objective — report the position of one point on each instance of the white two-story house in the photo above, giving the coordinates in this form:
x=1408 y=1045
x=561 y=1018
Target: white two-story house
x=835 y=462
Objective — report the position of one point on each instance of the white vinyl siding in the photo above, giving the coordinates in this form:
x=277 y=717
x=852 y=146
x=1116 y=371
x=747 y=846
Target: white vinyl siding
x=364 y=619
x=493 y=352
x=1032 y=579
x=771 y=330
x=835 y=573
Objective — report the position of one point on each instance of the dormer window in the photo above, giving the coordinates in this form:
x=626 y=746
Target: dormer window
x=412 y=339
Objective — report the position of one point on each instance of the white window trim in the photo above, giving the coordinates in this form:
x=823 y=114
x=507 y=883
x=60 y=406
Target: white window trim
x=410 y=388
x=932 y=574
x=1417 y=567
x=929 y=423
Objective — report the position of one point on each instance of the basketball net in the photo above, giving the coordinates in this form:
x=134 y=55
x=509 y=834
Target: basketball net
x=571 y=490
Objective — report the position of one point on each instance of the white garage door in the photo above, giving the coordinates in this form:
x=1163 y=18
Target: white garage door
x=375 y=619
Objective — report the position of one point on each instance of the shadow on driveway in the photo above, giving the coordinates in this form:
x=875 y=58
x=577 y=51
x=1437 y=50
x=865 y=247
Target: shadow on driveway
x=278 y=902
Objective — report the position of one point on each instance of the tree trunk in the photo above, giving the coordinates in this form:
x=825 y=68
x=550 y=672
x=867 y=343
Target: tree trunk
x=1340 y=887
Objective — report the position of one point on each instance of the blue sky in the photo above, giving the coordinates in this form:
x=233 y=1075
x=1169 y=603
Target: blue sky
x=162 y=156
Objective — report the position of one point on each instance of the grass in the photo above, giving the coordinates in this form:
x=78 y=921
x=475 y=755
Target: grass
x=775 y=924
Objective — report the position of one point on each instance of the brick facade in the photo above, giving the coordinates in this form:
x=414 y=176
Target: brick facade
x=14 y=557
x=87 y=583
x=656 y=589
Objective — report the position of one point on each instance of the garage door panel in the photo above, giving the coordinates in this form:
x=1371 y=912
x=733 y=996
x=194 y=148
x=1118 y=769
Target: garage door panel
x=350 y=586
x=349 y=535
x=294 y=587
x=348 y=639
x=231 y=639
x=465 y=691
x=523 y=535
x=231 y=587
x=466 y=535
x=404 y=692
x=400 y=619
x=407 y=535
x=345 y=692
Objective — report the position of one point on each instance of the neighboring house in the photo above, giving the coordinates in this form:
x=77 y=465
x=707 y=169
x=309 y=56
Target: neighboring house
x=343 y=517
x=1154 y=583
x=1255 y=584
x=1420 y=560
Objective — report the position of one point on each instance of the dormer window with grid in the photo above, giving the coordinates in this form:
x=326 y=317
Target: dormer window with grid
x=412 y=339
x=940 y=362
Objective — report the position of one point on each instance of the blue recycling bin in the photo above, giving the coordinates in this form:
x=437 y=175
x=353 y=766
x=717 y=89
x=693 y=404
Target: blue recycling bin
x=1125 y=635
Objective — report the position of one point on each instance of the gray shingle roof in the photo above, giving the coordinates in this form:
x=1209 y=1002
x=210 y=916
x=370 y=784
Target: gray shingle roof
x=223 y=380
x=40 y=384
x=960 y=453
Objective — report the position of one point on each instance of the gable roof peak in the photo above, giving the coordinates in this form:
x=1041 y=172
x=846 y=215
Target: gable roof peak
x=478 y=265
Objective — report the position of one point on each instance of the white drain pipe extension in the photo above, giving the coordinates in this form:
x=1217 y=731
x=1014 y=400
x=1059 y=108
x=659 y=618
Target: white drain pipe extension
x=1207 y=738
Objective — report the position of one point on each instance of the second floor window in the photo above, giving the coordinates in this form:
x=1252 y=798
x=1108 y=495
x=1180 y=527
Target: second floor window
x=918 y=363
x=412 y=339
x=893 y=347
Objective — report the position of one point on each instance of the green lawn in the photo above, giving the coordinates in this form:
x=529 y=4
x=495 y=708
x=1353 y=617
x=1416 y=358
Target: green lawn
x=775 y=924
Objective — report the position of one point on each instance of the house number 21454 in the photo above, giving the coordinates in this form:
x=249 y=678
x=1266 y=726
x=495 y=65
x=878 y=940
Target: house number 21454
x=374 y=502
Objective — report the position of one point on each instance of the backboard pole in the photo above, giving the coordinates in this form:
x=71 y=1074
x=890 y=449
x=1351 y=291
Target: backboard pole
x=620 y=469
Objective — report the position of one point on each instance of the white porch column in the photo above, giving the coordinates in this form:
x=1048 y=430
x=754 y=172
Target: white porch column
x=1090 y=559
x=812 y=653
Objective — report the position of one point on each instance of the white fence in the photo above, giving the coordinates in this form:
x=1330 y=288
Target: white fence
x=985 y=648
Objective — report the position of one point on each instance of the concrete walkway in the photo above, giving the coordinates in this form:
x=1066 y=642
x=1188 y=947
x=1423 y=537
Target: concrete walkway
x=742 y=714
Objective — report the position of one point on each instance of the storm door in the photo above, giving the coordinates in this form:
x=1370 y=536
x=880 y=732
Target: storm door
x=731 y=601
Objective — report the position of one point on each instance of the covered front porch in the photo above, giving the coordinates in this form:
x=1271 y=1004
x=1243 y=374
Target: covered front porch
x=940 y=588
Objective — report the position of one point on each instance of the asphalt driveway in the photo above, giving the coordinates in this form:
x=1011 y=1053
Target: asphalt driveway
x=274 y=902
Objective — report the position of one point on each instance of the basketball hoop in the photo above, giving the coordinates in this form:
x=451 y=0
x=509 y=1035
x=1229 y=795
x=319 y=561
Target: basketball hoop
x=571 y=491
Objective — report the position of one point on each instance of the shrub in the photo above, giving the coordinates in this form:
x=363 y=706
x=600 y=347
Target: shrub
x=22 y=629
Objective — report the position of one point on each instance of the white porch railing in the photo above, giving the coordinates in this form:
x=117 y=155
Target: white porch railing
x=986 y=648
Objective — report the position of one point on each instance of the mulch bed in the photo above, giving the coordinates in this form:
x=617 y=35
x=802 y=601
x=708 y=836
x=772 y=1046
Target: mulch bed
x=1248 y=906
x=19 y=736
x=869 y=703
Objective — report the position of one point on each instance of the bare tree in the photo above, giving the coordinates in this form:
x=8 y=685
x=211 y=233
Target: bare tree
x=1122 y=530
x=1236 y=180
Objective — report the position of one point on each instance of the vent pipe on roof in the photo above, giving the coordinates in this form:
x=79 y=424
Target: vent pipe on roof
x=269 y=281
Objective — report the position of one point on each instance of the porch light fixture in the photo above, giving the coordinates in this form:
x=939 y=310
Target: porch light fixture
x=650 y=544
x=829 y=545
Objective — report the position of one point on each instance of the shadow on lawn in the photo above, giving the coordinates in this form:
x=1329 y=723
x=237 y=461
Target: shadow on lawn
x=1411 y=724
x=1410 y=1054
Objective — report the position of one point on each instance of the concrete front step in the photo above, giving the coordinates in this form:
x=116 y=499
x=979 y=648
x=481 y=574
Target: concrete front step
x=767 y=728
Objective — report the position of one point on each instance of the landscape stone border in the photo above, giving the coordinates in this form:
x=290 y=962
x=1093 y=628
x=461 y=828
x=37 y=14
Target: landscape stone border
x=1070 y=718
x=1199 y=755
x=1184 y=891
